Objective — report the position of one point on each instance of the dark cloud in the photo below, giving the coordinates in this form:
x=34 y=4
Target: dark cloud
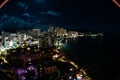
x=26 y=15
x=23 y=5
x=92 y=14
x=52 y=13
x=40 y=0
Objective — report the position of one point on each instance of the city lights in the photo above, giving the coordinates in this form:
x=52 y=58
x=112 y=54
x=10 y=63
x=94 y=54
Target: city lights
x=36 y=45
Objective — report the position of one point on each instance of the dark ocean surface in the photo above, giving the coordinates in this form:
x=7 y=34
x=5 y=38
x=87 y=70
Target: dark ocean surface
x=100 y=56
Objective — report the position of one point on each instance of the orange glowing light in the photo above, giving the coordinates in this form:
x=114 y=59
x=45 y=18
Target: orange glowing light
x=116 y=2
x=28 y=49
x=3 y=3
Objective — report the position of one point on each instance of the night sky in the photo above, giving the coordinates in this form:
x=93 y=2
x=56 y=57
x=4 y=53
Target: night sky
x=96 y=15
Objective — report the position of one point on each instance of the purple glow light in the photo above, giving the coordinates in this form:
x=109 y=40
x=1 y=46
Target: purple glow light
x=21 y=71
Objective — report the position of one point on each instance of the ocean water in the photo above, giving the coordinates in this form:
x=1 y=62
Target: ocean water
x=100 y=56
